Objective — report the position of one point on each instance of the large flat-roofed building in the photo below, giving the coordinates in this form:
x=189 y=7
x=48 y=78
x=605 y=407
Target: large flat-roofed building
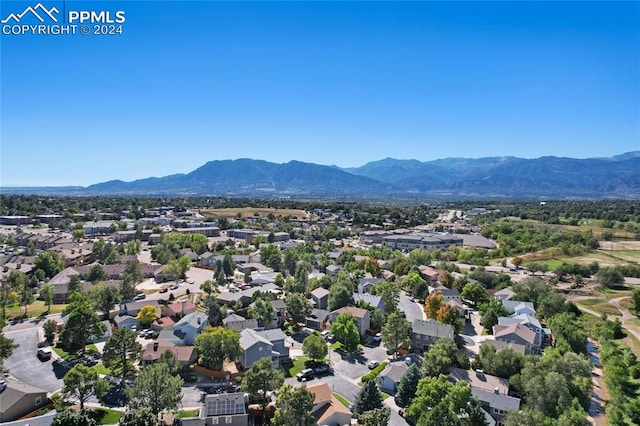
x=209 y=231
x=425 y=241
x=15 y=220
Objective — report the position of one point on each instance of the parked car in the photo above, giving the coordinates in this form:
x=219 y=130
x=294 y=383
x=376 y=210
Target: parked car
x=305 y=374
x=377 y=337
x=373 y=364
x=164 y=290
x=322 y=369
x=44 y=353
x=174 y=286
x=140 y=296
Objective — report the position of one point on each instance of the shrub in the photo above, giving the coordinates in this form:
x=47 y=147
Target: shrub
x=373 y=373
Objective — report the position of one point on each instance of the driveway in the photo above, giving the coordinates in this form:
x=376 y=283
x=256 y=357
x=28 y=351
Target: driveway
x=24 y=364
x=412 y=310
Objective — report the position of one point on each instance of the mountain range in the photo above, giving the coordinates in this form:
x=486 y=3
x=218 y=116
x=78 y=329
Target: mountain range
x=456 y=178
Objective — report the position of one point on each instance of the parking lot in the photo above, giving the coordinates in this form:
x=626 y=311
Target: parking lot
x=24 y=365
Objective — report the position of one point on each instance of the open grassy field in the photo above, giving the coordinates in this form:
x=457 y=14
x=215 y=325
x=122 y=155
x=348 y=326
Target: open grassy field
x=36 y=309
x=600 y=305
x=253 y=211
x=628 y=255
x=612 y=293
x=553 y=258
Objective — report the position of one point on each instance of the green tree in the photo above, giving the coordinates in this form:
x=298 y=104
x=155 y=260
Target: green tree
x=179 y=267
x=448 y=314
x=75 y=285
x=527 y=417
x=263 y=310
x=50 y=327
x=26 y=296
x=491 y=311
x=296 y=407
x=6 y=348
x=475 y=293
x=390 y=294
x=73 y=418
x=97 y=273
x=82 y=323
x=46 y=293
x=635 y=301
x=290 y=260
x=270 y=255
x=216 y=345
x=146 y=315
x=502 y=363
x=82 y=383
x=414 y=282
x=408 y=385
x=208 y=286
x=314 y=347
x=132 y=248
x=339 y=296
x=367 y=399
x=345 y=330
x=139 y=417
x=377 y=318
x=440 y=357
x=298 y=307
x=376 y=417
x=260 y=378
x=228 y=265
x=565 y=329
x=169 y=358
x=121 y=351
x=610 y=277
x=105 y=298
x=49 y=262
x=215 y=312
x=155 y=388
x=395 y=332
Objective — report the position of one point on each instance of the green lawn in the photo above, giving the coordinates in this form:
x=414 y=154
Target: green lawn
x=293 y=368
x=188 y=413
x=106 y=416
x=35 y=309
x=101 y=369
x=342 y=399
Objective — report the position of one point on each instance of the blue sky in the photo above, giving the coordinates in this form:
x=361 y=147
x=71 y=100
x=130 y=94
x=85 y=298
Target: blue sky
x=327 y=82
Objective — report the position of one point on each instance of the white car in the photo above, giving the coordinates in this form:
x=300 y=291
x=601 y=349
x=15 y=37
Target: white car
x=377 y=337
x=373 y=364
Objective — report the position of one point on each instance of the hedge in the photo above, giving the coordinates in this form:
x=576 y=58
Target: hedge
x=373 y=373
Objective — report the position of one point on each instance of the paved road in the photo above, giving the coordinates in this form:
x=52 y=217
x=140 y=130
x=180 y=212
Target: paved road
x=24 y=365
x=598 y=394
x=32 y=323
x=411 y=309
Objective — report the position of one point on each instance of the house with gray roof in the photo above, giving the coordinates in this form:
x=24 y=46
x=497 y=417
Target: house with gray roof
x=320 y=296
x=221 y=409
x=277 y=339
x=317 y=319
x=375 y=301
x=17 y=399
x=479 y=379
x=528 y=321
x=425 y=332
x=254 y=347
x=517 y=333
x=517 y=307
x=495 y=403
x=239 y=323
x=447 y=293
x=389 y=378
x=191 y=325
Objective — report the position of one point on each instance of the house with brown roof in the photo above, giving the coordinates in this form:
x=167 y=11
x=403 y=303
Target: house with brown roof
x=179 y=308
x=361 y=316
x=17 y=399
x=163 y=323
x=327 y=410
x=186 y=355
x=517 y=333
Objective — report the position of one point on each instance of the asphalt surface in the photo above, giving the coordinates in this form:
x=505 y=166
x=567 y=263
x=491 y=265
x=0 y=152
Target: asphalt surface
x=24 y=364
x=412 y=310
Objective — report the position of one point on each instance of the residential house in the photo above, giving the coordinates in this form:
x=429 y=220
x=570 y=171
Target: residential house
x=278 y=340
x=239 y=323
x=365 y=284
x=447 y=293
x=505 y=294
x=516 y=307
x=280 y=310
x=327 y=410
x=163 y=323
x=60 y=283
x=105 y=335
x=221 y=409
x=191 y=325
x=332 y=270
x=320 y=296
x=179 y=308
x=126 y=321
x=430 y=275
x=528 y=321
x=495 y=403
x=389 y=378
x=317 y=320
x=517 y=333
x=17 y=399
x=361 y=316
x=254 y=347
x=478 y=379
x=186 y=355
x=425 y=332
x=132 y=308
x=374 y=301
